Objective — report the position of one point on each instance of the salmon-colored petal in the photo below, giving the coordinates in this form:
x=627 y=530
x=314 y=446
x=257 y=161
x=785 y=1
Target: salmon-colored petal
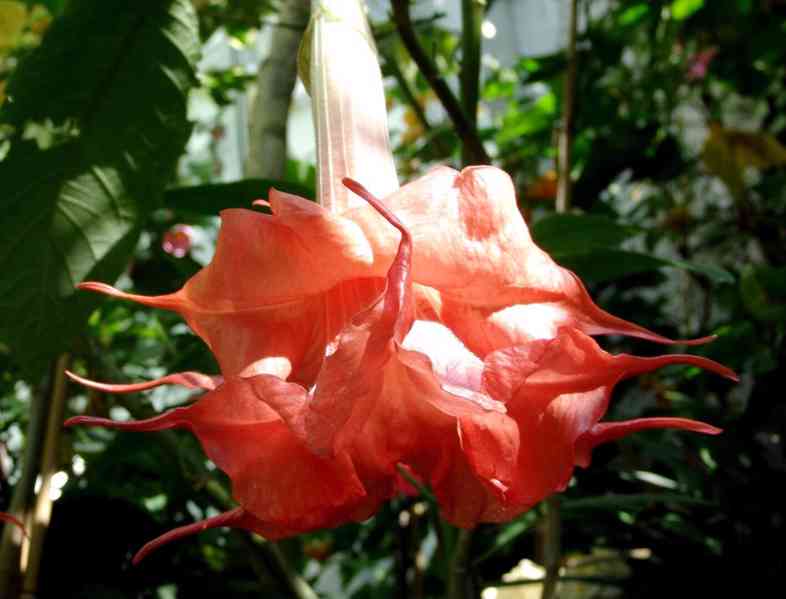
x=236 y=518
x=274 y=476
x=286 y=339
x=474 y=248
x=190 y=380
x=349 y=383
x=605 y=432
x=561 y=402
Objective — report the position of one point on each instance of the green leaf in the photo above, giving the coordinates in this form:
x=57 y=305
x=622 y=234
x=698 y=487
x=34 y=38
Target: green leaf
x=682 y=9
x=608 y=264
x=633 y=14
x=763 y=290
x=577 y=233
x=108 y=86
x=540 y=115
x=509 y=533
x=213 y=198
x=589 y=245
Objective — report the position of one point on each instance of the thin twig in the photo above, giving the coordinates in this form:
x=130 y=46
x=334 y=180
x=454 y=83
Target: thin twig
x=464 y=127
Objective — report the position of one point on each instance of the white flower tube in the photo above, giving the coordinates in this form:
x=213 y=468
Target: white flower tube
x=350 y=115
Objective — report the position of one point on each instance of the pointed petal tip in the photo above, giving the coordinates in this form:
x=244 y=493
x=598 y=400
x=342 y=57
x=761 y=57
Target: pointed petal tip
x=88 y=421
x=635 y=365
x=172 y=419
x=189 y=380
x=170 y=301
x=697 y=341
x=97 y=287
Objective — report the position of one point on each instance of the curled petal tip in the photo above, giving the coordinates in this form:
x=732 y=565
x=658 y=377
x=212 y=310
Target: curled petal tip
x=364 y=193
x=4 y=517
x=261 y=202
x=229 y=518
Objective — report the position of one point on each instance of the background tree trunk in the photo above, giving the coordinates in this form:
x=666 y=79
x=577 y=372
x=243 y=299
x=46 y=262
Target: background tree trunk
x=267 y=152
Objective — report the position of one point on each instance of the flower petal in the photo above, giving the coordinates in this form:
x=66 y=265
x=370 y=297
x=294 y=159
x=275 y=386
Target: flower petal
x=6 y=517
x=274 y=476
x=474 y=248
x=605 y=432
x=190 y=380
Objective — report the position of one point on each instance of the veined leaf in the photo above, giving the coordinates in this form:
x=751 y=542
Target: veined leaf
x=589 y=245
x=574 y=233
x=106 y=94
x=607 y=264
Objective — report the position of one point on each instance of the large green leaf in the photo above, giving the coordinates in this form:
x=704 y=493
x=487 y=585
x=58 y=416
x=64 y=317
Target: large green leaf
x=575 y=233
x=106 y=95
x=589 y=245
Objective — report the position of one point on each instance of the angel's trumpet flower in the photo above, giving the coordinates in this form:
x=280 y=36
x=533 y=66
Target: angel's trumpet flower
x=360 y=335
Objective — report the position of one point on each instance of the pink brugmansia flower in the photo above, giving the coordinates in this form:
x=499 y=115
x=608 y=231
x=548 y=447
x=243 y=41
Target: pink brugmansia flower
x=177 y=241
x=423 y=330
x=699 y=64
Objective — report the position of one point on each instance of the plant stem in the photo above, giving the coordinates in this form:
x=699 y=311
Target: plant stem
x=265 y=551
x=565 y=185
x=459 y=581
x=472 y=12
x=464 y=126
x=551 y=527
x=21 y=502
x=551 y=546
x=32 y=548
